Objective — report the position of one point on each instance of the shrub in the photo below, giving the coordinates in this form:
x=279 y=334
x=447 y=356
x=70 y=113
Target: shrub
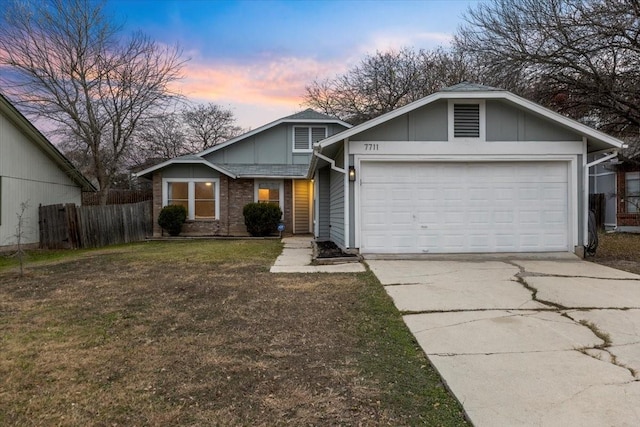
x=171 y=218
x=261 y=219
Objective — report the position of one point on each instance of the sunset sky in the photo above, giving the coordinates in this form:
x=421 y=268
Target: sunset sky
x=255 y=57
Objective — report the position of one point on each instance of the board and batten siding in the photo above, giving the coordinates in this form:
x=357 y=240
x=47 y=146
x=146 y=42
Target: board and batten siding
x=28 y=175
x=336 y=207
x=323 y=196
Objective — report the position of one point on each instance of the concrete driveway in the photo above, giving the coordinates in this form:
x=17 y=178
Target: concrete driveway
x=526 y=341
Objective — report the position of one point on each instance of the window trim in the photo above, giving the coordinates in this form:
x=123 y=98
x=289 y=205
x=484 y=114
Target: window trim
x=310 y=138
x=627 y=196
x=482 y=118
x=192 y=196
x=280 y=182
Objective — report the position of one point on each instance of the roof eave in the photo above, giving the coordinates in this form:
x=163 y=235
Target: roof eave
x=143 y=173
x=56 y=155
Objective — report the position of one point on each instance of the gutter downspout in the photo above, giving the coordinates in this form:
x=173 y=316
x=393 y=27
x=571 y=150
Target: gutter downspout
x=331 y=162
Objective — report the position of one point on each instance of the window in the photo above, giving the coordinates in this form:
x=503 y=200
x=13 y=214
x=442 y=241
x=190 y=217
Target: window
x=198 y=195
x=632 y=191
x=466 y=120
x=305 y=136
x=270 y=191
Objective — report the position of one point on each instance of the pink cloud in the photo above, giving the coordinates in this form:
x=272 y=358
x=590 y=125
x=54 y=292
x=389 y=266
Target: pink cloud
x=273 y=81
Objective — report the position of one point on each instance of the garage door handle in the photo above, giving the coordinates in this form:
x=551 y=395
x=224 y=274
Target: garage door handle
x=424 y=226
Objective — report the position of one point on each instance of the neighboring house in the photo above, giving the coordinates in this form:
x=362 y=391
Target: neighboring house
x=628 y=201
x=602 y=180
x=468 y=169
x=268 y=164
x=32 y=171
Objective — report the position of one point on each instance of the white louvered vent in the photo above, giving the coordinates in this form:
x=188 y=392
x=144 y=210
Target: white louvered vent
x=301 y=138
x=466 y=120
x=318 y=134
x=304 y=137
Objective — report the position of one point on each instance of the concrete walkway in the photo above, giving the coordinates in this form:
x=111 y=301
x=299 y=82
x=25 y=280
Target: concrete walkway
x=296 y=258
x=526 y=342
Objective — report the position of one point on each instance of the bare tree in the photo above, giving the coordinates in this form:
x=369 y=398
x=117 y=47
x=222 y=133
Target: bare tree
x=65 y=60
x=208 y=125
x=580 y=57
x=21 y=230
x=161 y=137
x=190 y=130
x=385 y=81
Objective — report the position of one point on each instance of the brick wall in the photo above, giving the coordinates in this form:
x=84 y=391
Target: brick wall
x=157 y=202
x=239 y=193
x=234 y=195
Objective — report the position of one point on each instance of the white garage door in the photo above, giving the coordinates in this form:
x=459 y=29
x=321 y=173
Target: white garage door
x=464 y=207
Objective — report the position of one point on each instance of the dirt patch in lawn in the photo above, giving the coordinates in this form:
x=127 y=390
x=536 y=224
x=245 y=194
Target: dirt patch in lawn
x=200 y=333
x=619 y=250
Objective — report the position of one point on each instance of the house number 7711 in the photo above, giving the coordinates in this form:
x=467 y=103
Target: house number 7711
x=371 y=147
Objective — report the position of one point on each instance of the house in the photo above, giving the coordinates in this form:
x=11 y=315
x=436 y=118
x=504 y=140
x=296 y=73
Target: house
x=267 y=164
x=627 y=175
x=469 y=169
x=32 y=171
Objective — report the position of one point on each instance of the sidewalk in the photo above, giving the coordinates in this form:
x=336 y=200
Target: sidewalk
x=296 y=258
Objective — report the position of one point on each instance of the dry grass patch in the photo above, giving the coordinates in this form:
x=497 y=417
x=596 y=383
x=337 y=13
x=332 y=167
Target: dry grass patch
x=619 y=250
x=200 y=333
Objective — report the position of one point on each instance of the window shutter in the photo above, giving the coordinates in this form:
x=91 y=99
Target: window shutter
x=466 y=121
x=301 y=138
x=318 y=134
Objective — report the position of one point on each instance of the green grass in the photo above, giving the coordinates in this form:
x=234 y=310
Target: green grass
x=200 y=333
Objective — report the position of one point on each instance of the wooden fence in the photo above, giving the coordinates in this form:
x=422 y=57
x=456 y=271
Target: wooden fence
x=71 y=227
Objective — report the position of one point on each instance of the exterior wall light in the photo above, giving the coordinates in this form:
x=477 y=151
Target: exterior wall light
x=352 y=173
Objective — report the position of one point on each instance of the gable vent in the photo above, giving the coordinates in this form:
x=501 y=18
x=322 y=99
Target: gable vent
x=466 y=121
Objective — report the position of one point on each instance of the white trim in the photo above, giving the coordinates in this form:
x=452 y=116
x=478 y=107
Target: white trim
x=191 y=195
x=309 y=136
x=572 y=183
x=280 y=194
x=482 y=118
x=463 y=148
x=347 y=205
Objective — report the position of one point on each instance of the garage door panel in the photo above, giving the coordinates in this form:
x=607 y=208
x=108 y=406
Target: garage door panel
x=464 y=207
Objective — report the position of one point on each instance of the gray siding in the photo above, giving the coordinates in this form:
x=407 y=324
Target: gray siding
x=28 y=175
x=271 y=146
x=336 y=208
x=505 y=122
x=189 y=171
x=428 y=123
x=323 y=198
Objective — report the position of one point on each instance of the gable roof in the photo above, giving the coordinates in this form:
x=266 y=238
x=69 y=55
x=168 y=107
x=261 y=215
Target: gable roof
x=466 y=90
x=306 y=116
x=35 y=136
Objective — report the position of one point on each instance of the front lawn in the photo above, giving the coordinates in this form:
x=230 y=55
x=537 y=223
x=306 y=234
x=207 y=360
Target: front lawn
x=619 y=250
x=200 y=333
